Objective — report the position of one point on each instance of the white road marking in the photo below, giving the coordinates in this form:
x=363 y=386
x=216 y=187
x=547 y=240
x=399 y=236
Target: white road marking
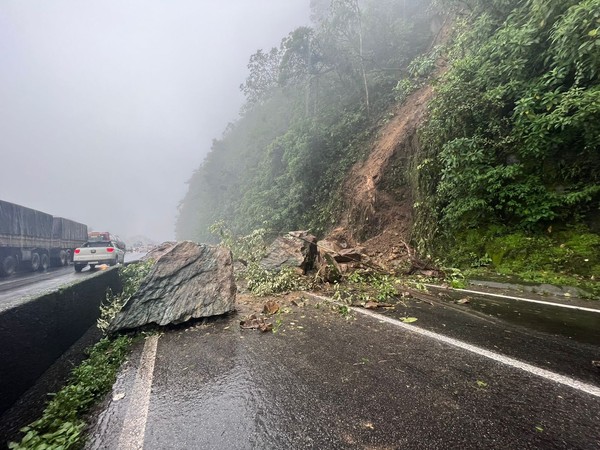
x=522 y=299
x=543 y=373
x=134 y=425
x=551 y=376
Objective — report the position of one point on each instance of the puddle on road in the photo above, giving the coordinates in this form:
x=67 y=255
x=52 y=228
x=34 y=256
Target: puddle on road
x=580 y=326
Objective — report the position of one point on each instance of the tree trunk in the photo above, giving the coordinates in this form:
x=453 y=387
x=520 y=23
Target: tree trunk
x=362 y=60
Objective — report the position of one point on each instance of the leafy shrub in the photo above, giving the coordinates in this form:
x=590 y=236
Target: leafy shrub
x=363 y=287
x=263 y=282
x=513 y=136
x=131 y=276
x=62 y=422
x=251 y=249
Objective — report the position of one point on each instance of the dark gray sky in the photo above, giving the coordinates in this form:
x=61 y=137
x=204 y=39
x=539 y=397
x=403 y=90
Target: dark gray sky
x=106 y=107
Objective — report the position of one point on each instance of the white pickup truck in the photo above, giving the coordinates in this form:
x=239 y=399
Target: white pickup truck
x=97 y=252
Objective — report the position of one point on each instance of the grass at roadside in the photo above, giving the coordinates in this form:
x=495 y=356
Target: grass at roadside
x=62 y=422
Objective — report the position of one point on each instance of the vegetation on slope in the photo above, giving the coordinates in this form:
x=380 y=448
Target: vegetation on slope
x=510 y=167
x=507 y=172
x=311 y=108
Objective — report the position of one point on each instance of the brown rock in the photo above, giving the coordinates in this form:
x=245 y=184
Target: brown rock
x=329 y=246
x=349 y=255
x=271 y=307
x=297 y=249
x=256 y=323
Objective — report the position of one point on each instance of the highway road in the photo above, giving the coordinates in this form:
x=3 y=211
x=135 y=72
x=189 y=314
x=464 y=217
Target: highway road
x=488 y=372
x=455 y=378
x=20 y=286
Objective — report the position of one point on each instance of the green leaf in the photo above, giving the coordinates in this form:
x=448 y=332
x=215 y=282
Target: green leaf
x=408 y=319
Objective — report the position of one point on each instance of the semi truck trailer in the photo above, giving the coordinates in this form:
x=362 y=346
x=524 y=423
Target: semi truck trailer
x=34 y=240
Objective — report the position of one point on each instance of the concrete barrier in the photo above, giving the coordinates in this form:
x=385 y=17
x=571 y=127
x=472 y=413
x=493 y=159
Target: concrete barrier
x=36 y=333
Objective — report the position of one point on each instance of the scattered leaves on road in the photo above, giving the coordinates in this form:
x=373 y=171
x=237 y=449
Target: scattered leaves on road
x=362 y=362
x=375 y=305
x=481 y=384
x=369 y=425
x=300 y=302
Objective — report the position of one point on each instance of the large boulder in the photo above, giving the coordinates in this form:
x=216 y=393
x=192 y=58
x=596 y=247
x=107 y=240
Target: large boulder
x=296 y=249
x=189 y=281
x=158 y=251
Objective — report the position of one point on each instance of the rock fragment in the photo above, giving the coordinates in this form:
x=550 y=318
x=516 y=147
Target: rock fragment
x=296 y=249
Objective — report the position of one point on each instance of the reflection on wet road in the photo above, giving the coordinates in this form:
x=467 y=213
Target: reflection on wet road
x=565 y=341
x=581 y=326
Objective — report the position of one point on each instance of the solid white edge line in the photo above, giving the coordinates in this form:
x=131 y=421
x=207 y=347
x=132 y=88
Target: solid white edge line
x=134 y=425
x=523 y=299
x=543 y=373
x=546 y=374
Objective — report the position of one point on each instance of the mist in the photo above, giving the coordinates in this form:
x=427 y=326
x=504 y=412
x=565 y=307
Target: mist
x=107 y=107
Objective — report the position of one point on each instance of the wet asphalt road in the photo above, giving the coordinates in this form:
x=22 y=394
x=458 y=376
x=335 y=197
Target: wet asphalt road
x=561 y=340
x=326 y=380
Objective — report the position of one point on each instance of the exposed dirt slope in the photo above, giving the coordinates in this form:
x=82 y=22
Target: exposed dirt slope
x=376 y=219
x=384 y=220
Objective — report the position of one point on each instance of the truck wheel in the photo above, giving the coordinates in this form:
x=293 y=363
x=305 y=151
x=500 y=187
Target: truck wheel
x=78 y=267
x=63 y=257
x=9 y=265
x=44 y=262
x=35 y=261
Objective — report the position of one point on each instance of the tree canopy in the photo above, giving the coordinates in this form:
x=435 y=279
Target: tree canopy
x=511 y=144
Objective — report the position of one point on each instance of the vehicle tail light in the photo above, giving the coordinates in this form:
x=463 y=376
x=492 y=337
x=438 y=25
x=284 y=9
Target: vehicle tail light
x=77 y=250
x=110 y=249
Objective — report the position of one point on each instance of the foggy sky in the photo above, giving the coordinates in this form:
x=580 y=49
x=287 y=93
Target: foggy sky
x=107 y=107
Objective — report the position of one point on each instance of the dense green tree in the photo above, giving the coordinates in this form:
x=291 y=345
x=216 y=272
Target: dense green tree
x=513 y=138
x=306 y=120
x=512 y=142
